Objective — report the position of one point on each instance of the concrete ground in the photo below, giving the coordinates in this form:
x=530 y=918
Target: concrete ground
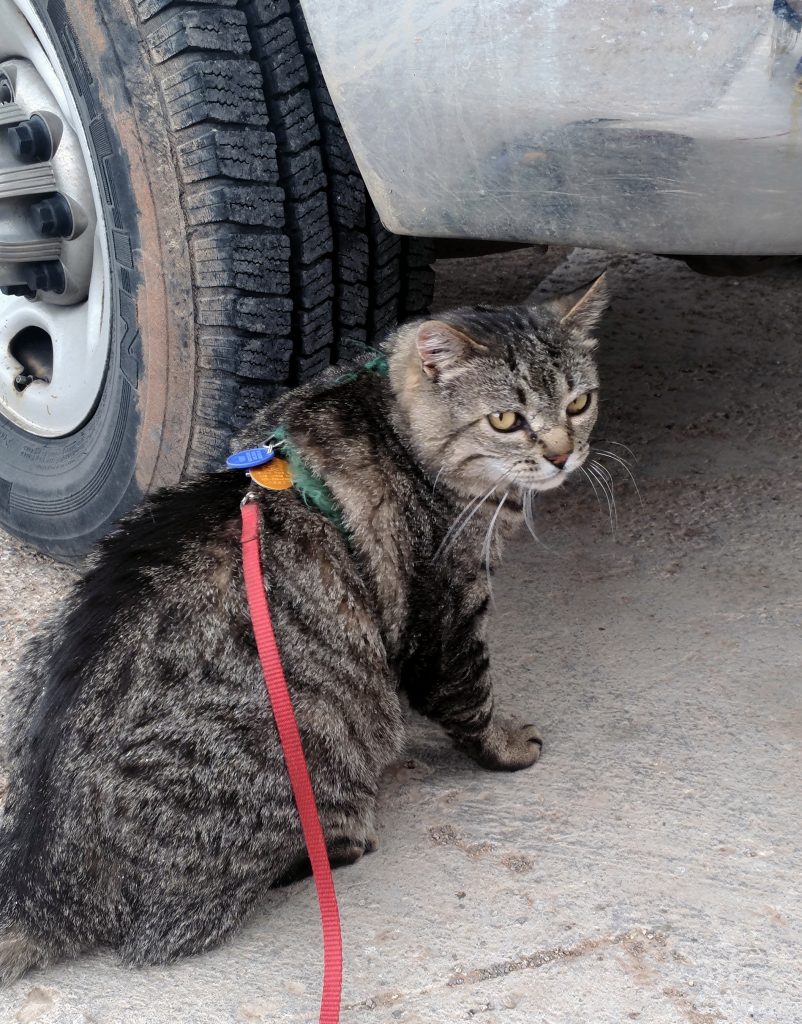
x=647 y=869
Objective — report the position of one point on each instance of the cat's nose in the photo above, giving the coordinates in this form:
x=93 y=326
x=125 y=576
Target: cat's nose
x=558 y=460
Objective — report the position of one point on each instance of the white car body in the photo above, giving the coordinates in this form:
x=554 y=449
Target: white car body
x=665 y=126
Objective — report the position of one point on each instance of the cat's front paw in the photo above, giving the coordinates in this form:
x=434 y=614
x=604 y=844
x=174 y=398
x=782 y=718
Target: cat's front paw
x=506 y=747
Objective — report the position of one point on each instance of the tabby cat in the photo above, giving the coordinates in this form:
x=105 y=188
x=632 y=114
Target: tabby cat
x=149 y=807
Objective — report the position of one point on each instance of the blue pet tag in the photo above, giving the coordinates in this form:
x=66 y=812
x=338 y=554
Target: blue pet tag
x=249 y=458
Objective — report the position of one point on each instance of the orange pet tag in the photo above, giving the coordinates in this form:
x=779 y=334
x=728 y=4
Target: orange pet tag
x=273 y=476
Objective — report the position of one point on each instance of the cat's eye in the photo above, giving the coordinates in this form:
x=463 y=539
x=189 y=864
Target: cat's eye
x=505 y=421
x=578 y=405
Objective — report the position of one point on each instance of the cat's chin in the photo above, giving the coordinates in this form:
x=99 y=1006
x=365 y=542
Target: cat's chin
x=548 y=484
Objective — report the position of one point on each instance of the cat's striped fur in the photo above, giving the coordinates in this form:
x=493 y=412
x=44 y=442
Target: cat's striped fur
x=149 y=806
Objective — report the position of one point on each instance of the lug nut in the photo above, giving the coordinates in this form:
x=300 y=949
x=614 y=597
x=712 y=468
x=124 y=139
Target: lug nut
x=52 y=217
x=6 y=90
x=31 y=140
x=45 y=277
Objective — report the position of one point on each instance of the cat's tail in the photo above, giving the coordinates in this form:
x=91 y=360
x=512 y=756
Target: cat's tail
x=19 y=952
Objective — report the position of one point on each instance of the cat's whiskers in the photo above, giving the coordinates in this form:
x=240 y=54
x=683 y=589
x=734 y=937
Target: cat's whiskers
x=608 y=476
x=527 y=504
x=617 y=458
x=460 y=523
x=589 y=479
x=488 y=542
x=603 y=475
x=592 y=470
x=612 y=455
x=437 y=478
x=618 y=444
x=529 y=518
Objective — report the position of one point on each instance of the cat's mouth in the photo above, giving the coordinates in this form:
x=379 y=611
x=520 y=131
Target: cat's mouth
x=545 y=476
x=548 y=483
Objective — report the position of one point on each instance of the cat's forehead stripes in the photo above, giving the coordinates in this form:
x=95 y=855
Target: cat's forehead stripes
x=520 y=337
x=524 y=362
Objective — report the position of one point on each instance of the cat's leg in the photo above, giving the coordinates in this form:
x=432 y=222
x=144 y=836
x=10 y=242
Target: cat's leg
x=461 y=700
x=455 y=689
x=342 y=851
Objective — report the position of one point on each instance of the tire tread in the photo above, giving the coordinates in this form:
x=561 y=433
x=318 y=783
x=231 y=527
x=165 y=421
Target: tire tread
x=292 y=269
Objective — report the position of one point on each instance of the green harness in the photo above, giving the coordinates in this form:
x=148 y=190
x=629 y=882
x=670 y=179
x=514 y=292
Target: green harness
x=310 y=486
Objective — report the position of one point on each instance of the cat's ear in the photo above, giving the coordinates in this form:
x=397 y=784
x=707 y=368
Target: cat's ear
x=581 y=310
x=443 y=348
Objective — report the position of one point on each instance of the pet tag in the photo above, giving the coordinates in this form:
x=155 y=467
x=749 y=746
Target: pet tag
x=249 y=458
x=275 y=476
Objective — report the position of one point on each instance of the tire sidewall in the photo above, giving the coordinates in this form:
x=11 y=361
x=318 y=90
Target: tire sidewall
x=64 y=493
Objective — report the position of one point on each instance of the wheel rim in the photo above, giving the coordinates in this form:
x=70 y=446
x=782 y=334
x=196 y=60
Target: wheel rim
x=54 y=263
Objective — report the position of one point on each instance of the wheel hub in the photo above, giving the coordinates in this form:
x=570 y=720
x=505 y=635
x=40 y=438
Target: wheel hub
x=53 y=252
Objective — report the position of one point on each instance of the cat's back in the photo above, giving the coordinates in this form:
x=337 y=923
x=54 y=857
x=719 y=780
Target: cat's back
x=155 y=638
x=145 y=578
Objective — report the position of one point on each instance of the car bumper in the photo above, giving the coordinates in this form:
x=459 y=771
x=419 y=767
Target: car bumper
x=654 y=126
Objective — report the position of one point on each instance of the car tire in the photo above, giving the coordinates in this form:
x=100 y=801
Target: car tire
x=244 y=253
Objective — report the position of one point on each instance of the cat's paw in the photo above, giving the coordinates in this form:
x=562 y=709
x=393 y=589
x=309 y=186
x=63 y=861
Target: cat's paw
x=349 y=851
x=507 y=747
x=342 y=851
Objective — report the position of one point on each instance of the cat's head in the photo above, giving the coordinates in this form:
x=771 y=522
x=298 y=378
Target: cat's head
x=504 y=395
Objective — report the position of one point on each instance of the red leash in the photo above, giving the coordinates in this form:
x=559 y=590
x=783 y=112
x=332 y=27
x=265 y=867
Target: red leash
x=290 y=738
